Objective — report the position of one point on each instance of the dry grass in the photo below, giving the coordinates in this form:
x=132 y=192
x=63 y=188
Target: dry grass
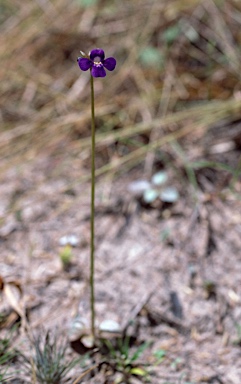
x=162 y=94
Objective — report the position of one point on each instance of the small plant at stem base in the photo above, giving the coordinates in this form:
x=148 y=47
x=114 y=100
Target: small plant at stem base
x=123 y=360
x=97 y=64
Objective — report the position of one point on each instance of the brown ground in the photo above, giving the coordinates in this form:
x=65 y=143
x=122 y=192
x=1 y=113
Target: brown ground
x=173 y=269
x=199 y=262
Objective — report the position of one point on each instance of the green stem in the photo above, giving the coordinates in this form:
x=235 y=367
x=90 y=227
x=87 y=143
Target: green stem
x=92 y=220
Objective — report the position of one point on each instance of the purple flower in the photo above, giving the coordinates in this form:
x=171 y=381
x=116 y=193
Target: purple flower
x=96 y=62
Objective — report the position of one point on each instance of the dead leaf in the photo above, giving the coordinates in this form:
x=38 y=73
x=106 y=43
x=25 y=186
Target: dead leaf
x=13 y=293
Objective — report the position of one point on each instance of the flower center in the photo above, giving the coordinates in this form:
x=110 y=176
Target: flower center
x=98 y=64
x=97 y=60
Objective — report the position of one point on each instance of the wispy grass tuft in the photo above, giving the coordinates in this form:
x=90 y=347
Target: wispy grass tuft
x=7 y=355
x=48 y=363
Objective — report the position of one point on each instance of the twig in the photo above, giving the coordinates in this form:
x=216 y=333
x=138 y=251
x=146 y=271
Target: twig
x=136 y=310
x=85 y=373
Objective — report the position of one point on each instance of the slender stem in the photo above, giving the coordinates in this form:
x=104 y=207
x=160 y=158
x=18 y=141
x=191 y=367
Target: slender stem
x=92 y=220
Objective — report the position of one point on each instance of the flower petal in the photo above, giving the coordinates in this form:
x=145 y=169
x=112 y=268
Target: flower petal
x=98 y=71
x=110 y=63
x=84 y=64
x=97 y=53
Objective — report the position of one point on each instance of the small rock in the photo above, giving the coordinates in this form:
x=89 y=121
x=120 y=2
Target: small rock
x=69 y=240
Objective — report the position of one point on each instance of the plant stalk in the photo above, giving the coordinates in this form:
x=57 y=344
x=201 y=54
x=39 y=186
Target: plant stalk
x=92 y=214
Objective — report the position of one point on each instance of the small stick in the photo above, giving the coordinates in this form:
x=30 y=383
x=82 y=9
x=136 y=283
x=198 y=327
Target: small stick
x=136 y=310
x=85 y=373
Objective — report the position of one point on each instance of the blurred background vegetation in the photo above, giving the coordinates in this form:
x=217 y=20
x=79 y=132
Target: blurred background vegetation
x=178 y=75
